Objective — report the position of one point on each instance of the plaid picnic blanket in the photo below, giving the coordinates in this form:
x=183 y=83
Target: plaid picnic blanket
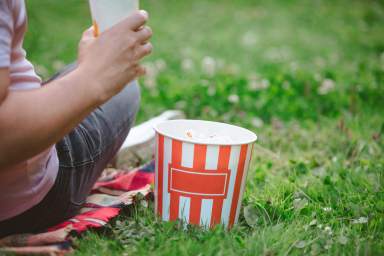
x=114 y=190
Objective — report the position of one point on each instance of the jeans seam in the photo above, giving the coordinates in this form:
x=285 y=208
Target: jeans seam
x=79 y=164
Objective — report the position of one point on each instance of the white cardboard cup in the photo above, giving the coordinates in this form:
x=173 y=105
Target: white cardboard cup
x=106 y=13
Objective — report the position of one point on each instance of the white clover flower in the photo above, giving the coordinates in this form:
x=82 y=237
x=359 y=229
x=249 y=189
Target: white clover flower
x=249 y=39
x=208 y=65
x=255 y=84
x=233 y=98
x=151 y=70
x=160 y=65
x=265 y=83
x=227 y=116
x=149 y=82
x=326 y=87
x=187 y=64
x=257 y=122
x=151 y=75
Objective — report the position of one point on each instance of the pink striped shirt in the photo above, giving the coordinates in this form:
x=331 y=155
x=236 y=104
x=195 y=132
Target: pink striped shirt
x=24 y=185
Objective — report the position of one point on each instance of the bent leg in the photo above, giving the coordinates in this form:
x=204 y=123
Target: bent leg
x=83 y=154
x=86 y=151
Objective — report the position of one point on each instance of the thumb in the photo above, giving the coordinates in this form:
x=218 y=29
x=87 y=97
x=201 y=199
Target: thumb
x=89 y=33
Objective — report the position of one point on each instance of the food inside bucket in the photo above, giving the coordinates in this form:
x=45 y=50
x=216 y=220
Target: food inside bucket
x=207 y=137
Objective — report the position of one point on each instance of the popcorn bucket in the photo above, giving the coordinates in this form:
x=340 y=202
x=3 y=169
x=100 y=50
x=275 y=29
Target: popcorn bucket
x=201 y=168
x=106 y=13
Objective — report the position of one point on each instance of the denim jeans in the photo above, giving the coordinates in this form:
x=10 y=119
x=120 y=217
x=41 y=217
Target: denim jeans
x=83 y=155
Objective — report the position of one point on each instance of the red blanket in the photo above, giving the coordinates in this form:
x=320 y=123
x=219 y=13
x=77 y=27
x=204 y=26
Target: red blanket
x=114 y=190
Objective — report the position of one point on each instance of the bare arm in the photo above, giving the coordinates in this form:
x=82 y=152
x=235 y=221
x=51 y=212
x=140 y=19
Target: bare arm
x=31 y=121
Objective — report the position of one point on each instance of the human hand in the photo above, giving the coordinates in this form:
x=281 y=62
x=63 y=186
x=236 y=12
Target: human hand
x=111 y=60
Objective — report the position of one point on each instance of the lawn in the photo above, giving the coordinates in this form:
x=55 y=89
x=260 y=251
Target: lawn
x=306 y=76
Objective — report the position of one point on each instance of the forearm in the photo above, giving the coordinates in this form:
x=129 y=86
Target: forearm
x=31 y=121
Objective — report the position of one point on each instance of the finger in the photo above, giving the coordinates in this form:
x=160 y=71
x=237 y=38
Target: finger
x=89 y=33
x=135 y=20
x=143 y=50
x=140 y=71
x=144 y=34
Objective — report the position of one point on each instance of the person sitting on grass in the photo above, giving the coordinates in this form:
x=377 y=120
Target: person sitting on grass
x=56 y=139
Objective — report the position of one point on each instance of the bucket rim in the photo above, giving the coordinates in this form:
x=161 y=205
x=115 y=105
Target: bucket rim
x=252 y=136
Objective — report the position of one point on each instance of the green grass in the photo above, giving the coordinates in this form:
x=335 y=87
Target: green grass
x=315 y=185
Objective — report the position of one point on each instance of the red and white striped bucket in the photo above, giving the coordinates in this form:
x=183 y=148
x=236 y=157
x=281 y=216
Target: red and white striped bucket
x=200 y=179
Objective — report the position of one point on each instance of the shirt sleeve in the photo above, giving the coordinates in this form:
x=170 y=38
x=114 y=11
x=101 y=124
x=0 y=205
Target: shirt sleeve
x=6 y=33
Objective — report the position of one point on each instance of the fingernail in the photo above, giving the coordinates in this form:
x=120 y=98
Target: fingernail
x=145 y=13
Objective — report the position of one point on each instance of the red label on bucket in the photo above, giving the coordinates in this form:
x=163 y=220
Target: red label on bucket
x=202 y=183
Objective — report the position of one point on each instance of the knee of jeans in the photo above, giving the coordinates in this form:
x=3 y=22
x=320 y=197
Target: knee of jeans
x=131 y=100
x=120 y=112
